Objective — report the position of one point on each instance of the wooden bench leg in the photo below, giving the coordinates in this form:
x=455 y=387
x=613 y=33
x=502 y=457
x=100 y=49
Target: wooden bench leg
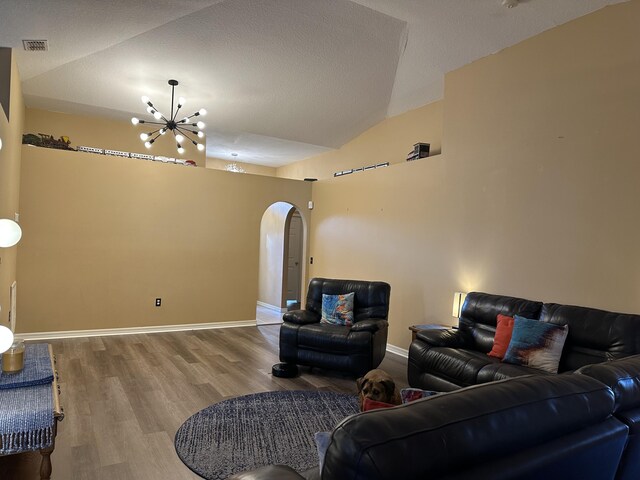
x=45 y=465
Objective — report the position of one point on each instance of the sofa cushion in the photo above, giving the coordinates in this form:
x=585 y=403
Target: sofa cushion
x=478 y=318
x=502 y=338
x=622 y=376
x=328 y=338
x=442 y=337
x=323 y=439
x=337 y=309
x=457 y=365
x=594 y=335
x=536 y=344
x=502 y=371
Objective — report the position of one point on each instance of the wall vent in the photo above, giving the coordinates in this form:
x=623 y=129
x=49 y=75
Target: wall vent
x=35 y=45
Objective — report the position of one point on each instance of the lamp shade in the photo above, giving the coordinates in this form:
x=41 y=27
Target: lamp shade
x=6 y=338
x=458 y=302
x=10 y=233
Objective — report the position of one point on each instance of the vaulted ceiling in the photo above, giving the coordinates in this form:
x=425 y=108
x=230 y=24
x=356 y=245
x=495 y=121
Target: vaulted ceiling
x=282 y=80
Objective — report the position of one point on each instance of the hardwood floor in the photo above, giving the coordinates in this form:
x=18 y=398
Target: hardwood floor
x=266 y=316
x=125 y=396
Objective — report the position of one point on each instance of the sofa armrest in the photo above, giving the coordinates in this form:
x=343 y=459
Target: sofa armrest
x=270 y=472
x=452 y=338
x=369 y=325
x=301 y=317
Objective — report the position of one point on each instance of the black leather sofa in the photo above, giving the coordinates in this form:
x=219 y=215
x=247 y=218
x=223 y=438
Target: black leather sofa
x=445 y=360
x=533 y=427
x=623 y=377
x=354 y=349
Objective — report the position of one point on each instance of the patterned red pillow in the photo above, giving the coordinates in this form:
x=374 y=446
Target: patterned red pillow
x=501 y=341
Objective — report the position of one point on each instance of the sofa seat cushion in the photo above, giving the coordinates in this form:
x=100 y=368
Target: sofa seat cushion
x=456 y=365
x=336 y=339
x=502 y=371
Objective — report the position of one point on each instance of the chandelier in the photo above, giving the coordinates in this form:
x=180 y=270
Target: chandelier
x=180 y=128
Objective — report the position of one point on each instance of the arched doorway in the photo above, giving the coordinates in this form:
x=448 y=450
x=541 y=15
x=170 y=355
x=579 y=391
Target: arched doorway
x=282 y=233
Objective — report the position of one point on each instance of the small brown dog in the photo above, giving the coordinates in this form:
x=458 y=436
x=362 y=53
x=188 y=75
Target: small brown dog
x=379 y=386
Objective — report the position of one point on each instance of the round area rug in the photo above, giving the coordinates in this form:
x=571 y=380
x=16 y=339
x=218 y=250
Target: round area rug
x=252 y=431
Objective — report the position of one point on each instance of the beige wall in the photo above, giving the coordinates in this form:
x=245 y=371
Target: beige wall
x=11 y=135
x=389 y=141
x=104 y=236
x=535 y=195
x=106 y=133
x=272 y=243
x=219 y=164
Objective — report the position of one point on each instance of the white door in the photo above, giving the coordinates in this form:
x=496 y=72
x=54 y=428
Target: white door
x=294 y=258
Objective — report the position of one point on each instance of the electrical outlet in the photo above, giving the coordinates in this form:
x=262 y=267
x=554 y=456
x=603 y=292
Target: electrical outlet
x=158 y=302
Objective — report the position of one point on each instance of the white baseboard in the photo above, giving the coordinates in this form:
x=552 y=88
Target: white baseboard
x=103 y=332
x=398 y=351
x=273 y=308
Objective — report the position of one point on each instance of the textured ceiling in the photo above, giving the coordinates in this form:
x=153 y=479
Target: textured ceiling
x=282 y=79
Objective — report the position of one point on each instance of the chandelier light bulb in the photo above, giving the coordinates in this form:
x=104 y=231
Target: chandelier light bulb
x=163 y=131
x=200 y=147
x=144 y=137
x=157 y=115
x=147 y=144
x=181 y=102
x=200 y=134
x=179 y=138
x=150 y=110
x=135 y=121
x=180 y=150
x=200 y=125
x=145 y=99
x=202 y=111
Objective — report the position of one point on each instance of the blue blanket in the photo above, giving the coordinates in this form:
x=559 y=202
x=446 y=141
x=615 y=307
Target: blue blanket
x=26 y=419
x=26 y=404
x=37 y=368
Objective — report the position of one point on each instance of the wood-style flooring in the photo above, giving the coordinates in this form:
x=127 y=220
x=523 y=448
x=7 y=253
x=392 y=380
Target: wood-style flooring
x=125 y=396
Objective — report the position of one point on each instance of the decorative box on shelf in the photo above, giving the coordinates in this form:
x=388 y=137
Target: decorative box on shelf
x=420 y=150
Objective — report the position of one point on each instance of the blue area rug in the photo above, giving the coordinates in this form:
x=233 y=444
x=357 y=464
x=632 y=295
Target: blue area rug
x=252 y=431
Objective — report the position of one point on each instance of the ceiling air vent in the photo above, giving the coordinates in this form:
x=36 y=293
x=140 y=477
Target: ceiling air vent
x=35 y=45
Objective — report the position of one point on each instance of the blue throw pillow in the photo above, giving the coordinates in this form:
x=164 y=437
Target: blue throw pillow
x=337 y=309
x=323 y=439
x=536 y=344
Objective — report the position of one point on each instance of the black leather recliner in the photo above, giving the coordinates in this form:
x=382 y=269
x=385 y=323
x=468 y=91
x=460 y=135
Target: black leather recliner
x=352 y=349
